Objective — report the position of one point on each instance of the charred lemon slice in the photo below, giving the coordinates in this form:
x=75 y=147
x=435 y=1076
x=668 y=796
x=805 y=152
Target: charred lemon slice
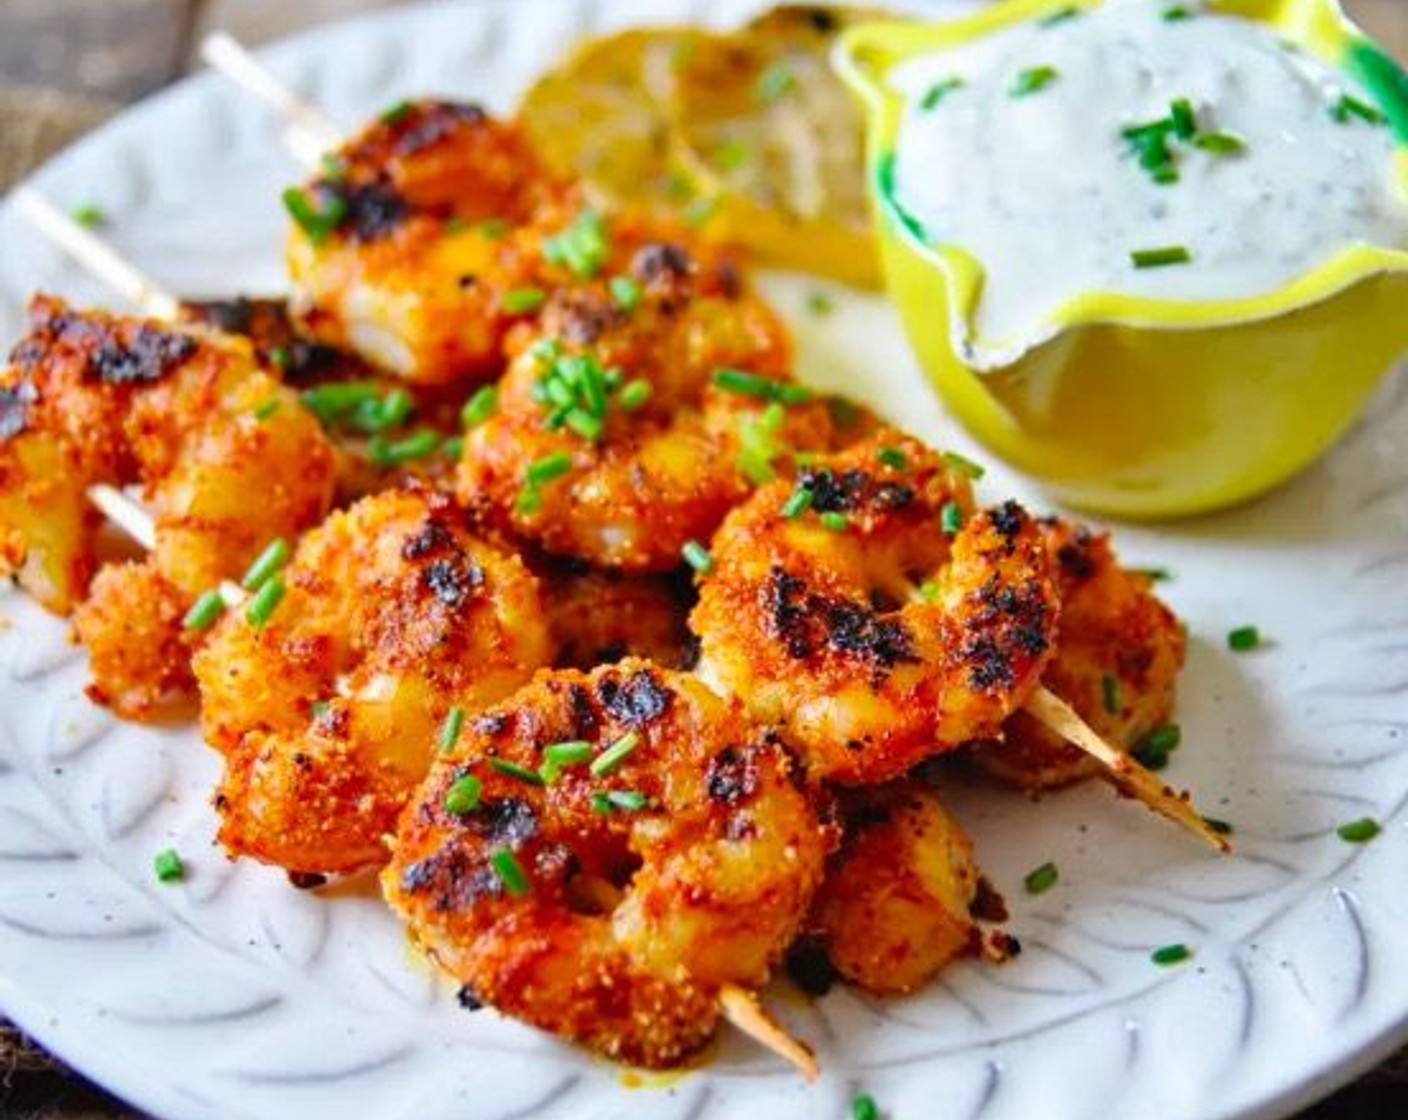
x=774 y=140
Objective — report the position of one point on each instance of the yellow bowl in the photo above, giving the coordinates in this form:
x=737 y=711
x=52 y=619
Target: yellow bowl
x=1138 y=406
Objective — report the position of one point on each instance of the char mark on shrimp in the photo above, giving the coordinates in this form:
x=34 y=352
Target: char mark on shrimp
x=732 y=776
x=1007 y=620
x=426 y=123
x=806 y=622
x=853 y=490
x=638 y=702
x=14 y=408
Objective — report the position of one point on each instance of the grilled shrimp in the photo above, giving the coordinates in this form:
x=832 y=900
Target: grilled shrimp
x=1117 y=663
x=893 y=909
x=187 y=414
x=398 y=249
x=597 y=616
x=328 y=713
x=603 y=852
x=624 y=431
x=842 y=610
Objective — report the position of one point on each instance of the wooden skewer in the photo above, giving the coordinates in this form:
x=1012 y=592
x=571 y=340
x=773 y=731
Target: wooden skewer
x=742 y=1009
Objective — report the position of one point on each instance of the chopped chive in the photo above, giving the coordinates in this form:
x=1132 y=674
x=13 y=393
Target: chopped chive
x=380 y=415
x=1185 y=121
x=510 y=872
x=1032 y=80
x=1170 y=954
x=627 y=800
x=1359 y=832
x=519 y=301
x=951 y=518
x=963 y=465
x=1221 y=827
x=752 y=385
x=319 y=708
x=625 y=292
x=316 y=220
x=585 y=424
x=843 y=412
x=797 y=503
x=938 y=91
x=513 y=770
x=558 y=755
x=893 y=458
x=397 y=112
x=392 y=453
x=1219 y=143
x=265 y=408
x=1349 y=106
x=930 y=590
x=278 y=356
x=834 y=520
x=1157 y=575
x=450 y=729
x=274 y=557
x=697 y=557
x=582 y=246
x=333 y=166
x=1176 y=13
x=1243 y=638
x=453 y=448
x=462 y=798
x=89 y=215
x=1159 y=258
x=773 y=82
x=699 y=211
x=204 y=611
x=1059 y=16
x=732 y=155
x=1042 y=878
x=863 y=1107
x=494 y=229
x=1111 y=693
x=819 y=303
x=633 y=394
x=1165 y=175
x=547 y=468
x=264 y=601
x=1153 y=749
x=479 y=407
x=528 y=501
x=334 y=400
x=168 y=866
x=612 y=757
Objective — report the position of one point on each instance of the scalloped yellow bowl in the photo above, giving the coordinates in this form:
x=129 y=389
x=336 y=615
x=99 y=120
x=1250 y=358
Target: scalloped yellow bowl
x=1137 y=406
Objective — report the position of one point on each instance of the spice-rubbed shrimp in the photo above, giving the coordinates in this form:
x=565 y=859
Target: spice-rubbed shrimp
x=627 y=428
x=893 y=909
x=597 y=616
x=96 y=398
x=1117 y=662
x=603 y=853
x=842 y=610
x=328 y=713
x=398 y=249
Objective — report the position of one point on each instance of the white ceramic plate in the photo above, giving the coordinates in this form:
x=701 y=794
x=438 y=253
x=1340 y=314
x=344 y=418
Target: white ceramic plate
x=232 y=996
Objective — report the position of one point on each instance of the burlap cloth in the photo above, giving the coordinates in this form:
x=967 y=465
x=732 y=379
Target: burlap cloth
x=33 y=125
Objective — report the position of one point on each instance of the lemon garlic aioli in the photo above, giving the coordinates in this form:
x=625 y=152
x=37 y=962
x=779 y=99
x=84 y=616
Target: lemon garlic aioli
x=1144 y=147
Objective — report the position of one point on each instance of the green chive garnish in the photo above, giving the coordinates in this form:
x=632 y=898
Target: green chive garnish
x=1161 y=257
x=951 y=518
x=528 y=501
x=1059 y=16
x=1170 y=954
x=462 y=798
x=266 y=408
x=278 y=356
x=963 y=465
x=513 y=770
x=89 y=215
x=519 y=301
x=863 y=1107
x=510 y=872
x=938 y=91
x=479 y=407
x=1153 y=749
x=797 y=503
x=453 y=448
x=585 y=424
x=583 y=246
x=1176 y=13
x=752 y=385
x=1033 y=79
x=450 y=729
x=1222 y=828
x=612 y=757
x=335 y=400
x=1157 y=575
x=699 y=211
x=1349 y=106
x=1359 y=832
x=495 y=229
x=1185 y=121
x=264 y=601
x=732 y=155
x=819 y=303
x=930 y=590
x=1243 y=638
x=773 y=83
x=397 y=112
x=1219 y=143
x=1110 y=693
x=633 y=394
x=390 y=453
x=558 y=755
x=892 y=457
x=625 y=292
x=697 y=557
x=317 y=220
x=834 y=520
x=204 y=611
x=627 y=800
x=548 y=468
x=168 y=866
x=1042 y=878
x=274 y=557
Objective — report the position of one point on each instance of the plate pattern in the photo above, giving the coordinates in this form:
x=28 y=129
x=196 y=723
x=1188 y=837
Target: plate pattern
x=231 y=995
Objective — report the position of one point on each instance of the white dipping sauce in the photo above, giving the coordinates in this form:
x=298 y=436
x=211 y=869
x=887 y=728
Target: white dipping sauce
x=1045 y=191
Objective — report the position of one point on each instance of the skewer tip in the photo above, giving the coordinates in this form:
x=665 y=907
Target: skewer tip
x=742 y=1009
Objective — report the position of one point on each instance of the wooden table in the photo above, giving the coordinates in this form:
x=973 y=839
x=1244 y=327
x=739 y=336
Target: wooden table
x=64 y=66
